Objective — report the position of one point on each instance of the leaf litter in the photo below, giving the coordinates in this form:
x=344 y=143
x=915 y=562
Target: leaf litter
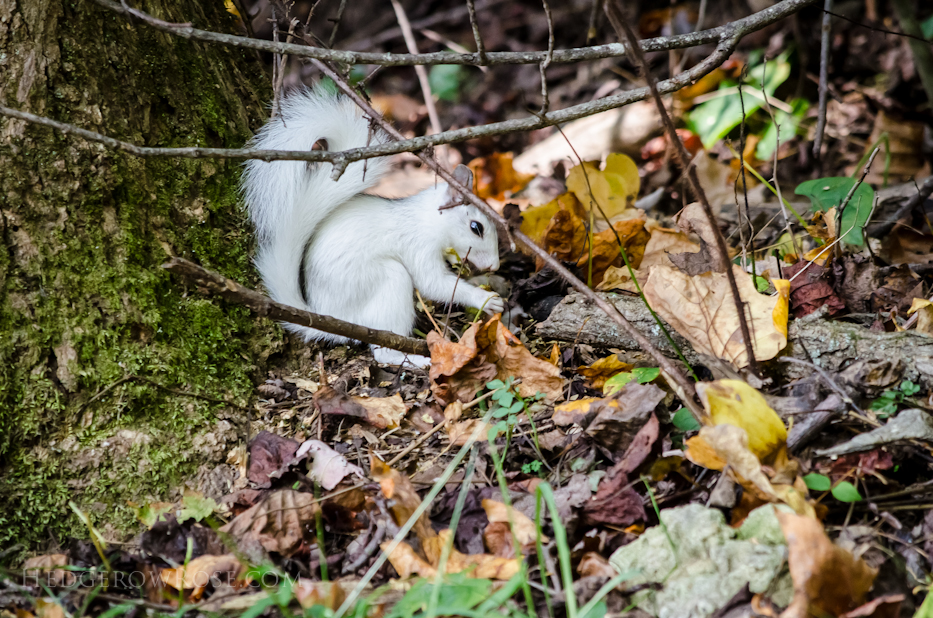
x=636 y=481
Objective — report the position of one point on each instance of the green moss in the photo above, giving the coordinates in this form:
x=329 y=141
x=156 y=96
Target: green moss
x=84 y=303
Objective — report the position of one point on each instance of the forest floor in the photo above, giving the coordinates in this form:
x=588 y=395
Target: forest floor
x=547 y=465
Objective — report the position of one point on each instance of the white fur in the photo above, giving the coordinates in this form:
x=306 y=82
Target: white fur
x=364 y=255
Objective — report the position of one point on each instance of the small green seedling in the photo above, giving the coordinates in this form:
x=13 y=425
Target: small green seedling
x=887 y=404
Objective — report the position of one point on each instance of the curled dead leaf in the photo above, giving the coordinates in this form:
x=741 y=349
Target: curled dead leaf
x=828 y=580
x=701 y=309
x=281 y=522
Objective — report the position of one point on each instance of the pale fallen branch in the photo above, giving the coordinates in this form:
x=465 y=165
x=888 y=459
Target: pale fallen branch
x=217 y=285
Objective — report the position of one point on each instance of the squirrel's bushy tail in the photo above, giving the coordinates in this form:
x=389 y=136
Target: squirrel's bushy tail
x=288 y=200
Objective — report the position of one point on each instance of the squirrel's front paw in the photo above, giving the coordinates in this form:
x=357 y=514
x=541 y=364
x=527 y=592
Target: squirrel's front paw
x=493 y=304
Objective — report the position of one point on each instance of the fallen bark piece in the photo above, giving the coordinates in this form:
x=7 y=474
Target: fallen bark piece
x=832 y=345
x=912 y=424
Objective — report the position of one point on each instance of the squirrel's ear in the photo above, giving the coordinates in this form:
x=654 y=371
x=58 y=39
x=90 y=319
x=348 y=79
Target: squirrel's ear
x=464 y=176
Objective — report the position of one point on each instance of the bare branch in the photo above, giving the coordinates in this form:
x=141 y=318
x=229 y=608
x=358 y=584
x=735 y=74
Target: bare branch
x=825 y=45
x=537 y=121
x=218 y=285
x=419 y=69
x=624 y=30
x=753 y=22
x=480 y=48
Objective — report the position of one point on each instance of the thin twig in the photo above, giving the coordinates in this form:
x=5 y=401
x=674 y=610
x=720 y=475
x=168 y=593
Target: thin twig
x=480 y=48
x=545 y=102
x=336 y=20
x=825 y=45
x=419 y=69
x=726 y=44
x=918 y=198
x=450 y=305
x=624 y=31
x=741 y=27
x=852 y=191
x=829 y=380
x=466 y=192
x=751 y=228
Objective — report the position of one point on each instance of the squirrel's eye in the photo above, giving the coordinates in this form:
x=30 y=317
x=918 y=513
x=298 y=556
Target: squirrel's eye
x=477 y=228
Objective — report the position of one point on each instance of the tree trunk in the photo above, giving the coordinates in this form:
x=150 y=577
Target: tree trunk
x=85 y=309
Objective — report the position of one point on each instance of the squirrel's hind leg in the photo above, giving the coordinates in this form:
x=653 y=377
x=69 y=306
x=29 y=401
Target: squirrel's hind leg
x=388 y=356
x=390 y=307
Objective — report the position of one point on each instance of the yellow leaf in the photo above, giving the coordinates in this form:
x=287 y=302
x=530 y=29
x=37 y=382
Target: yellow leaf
x=733 y=402
x=525 y=530
x=603 y=369
x=535 y=220
x=614 y=188
x=716 y=447
x=231 y=8
x=779 y=315
x=924 y=309
x=701 y=309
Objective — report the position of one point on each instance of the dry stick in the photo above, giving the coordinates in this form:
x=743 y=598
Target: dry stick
x=774 y=172
x=419 y=69
x=435 y=18
x=434 y=430
x=333 y=33
x=728 y=40
x=750 y=247
x=545 y=100
x=218 y=285
x=450 y=305
x=624 y=31
x=825 y=44
x=741 y=27
x=923 y=192
x=849 y=195
x=677 y=376
x=480 y=48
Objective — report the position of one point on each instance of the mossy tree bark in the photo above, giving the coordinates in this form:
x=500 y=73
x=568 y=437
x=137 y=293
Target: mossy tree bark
x=84 y=303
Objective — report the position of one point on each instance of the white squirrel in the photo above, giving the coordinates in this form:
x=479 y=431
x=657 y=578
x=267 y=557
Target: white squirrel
x=327 y=247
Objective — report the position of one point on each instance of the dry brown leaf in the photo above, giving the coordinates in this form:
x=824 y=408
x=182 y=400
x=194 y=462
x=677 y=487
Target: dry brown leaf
x=828 y=580
x=593 y=564
x=404 y=499
x=383 y=412
x=495 y=177
x=310 y=593
x=203 y=570
x=565 y=236
x=46 y=608
x=512 y=359
x=613 y=421
x=399 y=107
x=663 y=243
x=456 y=370
x=406 y=562
x=924 y=310
x=497 y=537
x=486 y=352
x=701 y=309
x=524 y=529
x=45 y=569
x=481 y=566
x=459 y=433
x=536 y=219
x=602 y=370
x=281 y=522
x=722 y=445
x=606 y=253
